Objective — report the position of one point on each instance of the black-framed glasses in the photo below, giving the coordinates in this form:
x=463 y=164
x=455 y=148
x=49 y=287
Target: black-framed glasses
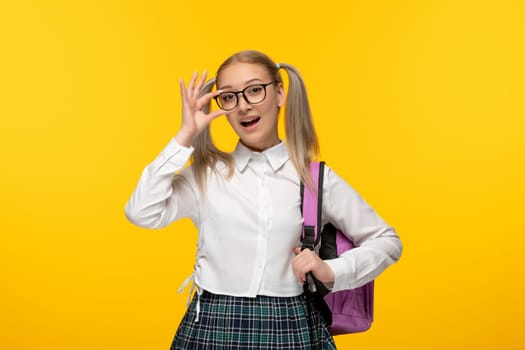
x=252 y=94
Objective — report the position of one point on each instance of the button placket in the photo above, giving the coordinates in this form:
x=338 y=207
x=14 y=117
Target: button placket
x=264 y=213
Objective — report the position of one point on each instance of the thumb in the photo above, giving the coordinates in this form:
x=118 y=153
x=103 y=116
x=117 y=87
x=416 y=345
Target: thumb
x=216 y=114
x=208 y=118
x=297 y=250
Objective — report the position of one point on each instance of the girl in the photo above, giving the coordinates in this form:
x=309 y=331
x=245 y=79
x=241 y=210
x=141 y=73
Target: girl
x=249 y=269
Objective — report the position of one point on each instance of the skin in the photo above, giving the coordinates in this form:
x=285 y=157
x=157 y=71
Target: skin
x=258 y=137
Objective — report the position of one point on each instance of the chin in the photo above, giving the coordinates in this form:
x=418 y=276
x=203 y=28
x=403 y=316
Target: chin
x=258 y=145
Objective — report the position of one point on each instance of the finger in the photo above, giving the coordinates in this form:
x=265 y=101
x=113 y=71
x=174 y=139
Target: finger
x=300 y=259
x=193 y=78
x=300 y=271
x=215 y=114
x=206 y=119
x=191 y=84
x=197 y=85
x=299 y=276
x=305 y=261
x=201 y=81
x=303 y=255
x=182 y=89
x=206 y=98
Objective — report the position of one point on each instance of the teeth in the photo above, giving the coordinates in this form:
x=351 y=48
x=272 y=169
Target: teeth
x=249 y=122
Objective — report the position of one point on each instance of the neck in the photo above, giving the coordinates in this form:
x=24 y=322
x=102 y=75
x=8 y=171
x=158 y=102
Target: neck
x=262 y=147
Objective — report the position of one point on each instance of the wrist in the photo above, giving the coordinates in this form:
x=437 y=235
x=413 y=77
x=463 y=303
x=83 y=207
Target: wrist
x=184 y=139
x=329 y=276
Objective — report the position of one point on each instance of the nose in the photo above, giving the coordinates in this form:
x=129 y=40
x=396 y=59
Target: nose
x=243 y=103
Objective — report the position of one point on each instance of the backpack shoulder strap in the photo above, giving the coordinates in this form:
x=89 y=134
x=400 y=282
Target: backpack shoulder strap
x=311 y=206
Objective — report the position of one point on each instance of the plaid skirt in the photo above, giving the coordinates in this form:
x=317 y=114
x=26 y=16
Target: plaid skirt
x=266 y=323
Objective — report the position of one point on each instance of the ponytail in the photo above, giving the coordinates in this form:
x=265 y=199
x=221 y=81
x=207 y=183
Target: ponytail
x=300 y=132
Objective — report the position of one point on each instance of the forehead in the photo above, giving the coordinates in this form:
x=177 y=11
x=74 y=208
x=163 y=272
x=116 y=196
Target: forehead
x=238 y=75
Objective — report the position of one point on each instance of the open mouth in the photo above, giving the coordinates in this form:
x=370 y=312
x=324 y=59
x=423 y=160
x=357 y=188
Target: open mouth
x=247 y=123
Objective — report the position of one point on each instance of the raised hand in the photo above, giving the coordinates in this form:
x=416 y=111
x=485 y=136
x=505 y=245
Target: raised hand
x=194 y=119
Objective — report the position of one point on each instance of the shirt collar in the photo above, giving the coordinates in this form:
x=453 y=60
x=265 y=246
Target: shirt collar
x=276 y=156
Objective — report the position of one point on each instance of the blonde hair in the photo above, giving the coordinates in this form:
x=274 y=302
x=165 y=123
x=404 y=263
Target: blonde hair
x=303 y=146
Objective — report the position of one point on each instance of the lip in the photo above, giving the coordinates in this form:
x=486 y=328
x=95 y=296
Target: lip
x=249 y=123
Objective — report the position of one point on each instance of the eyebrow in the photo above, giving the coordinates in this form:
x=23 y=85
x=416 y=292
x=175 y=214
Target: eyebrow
x=245 y=83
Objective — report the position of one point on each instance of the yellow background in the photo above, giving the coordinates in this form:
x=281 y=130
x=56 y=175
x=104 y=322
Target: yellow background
x=418 y=104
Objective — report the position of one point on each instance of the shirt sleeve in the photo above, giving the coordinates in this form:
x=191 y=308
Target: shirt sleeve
x=163 y=195
x=378 y=245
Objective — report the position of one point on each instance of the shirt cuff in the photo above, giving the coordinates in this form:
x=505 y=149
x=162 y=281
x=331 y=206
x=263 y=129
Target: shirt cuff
x=340 y=269
x=173 y=157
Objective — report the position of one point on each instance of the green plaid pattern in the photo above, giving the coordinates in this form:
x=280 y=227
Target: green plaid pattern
x=265 y=323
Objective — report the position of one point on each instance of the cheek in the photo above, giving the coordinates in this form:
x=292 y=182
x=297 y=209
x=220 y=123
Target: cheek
x=271 y=106
x=231 y=120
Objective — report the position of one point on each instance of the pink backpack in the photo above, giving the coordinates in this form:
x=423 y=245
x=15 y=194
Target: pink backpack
x=346 y=311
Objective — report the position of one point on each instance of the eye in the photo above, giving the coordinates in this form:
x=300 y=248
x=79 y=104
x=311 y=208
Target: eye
x=254 y=90
x=227 y=97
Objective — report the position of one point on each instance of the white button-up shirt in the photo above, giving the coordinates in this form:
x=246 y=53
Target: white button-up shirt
x=250 y=223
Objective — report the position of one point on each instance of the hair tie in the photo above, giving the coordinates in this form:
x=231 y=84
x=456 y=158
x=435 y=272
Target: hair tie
x=278 y=66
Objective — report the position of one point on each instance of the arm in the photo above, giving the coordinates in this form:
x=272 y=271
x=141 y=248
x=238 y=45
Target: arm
x=161 y=195
x=378 y=244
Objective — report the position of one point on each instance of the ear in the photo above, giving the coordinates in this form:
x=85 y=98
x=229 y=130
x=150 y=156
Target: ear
x=281 y=95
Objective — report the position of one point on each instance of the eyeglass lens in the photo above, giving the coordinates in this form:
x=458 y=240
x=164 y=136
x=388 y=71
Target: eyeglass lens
x=252 y=94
